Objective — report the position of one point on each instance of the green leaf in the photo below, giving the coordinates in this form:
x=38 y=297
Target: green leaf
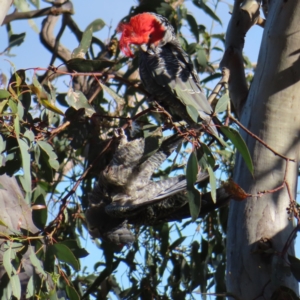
x=30 y=290
x=213 y=183
x=191 y=49
x=194 y=197
x=16 y=39
x=26 y=177
x=164 y=235
x=4 y=94
x=222 y=104
x=113 y=94
x=20 y=110
x=208 y=155
x=191 y=170
x=295 y=266
x=51 y=154
x=163 y=265
x=2 y=144
x=7 y=257
x=13 y=106
x=75 y=248
x=77 y=100
x=96 y=25
x=72 y=294
x=53 y=295
x=12 y=273
x=2 y=105
x=30 y=135
x=86 y=39
x=176 y=243
x=64 y=254
x=43 y=97
x=201 y=57
x=240 y=144
x=149 y=130
x=202 y=5
x=84 y=45
x=37 y=264
x=16 y=82
x=193 y=113
x=39 y=216
x=17 y=126
x=16 y=286
x=35 y=3
x=97 y=282
x=2 y=223
x=219 y=36
x=193 y=26
x=89 y=66
x=23 y=6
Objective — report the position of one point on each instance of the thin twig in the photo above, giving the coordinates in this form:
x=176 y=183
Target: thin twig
x=221 y=83
x=64 y=200
x=260 y=140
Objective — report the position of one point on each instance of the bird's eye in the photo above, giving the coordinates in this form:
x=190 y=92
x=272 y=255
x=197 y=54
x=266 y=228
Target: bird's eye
x=150 y=36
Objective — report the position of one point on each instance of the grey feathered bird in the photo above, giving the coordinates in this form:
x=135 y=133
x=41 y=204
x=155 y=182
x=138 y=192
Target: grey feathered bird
x=126 y=194
x=166 y=70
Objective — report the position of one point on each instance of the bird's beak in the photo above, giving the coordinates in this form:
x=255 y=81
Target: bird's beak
x=144 y=47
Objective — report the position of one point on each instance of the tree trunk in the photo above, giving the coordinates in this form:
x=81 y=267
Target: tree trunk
x=5 y=5
x=271 y=112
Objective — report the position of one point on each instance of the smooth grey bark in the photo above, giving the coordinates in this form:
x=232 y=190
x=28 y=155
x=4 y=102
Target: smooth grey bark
x=272 y=111
x=4 y=5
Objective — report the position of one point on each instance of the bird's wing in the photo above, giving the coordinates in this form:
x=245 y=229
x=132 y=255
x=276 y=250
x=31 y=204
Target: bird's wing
x=147 y=168
x=172 y=69
x=180 y=186
x=176 y=208
x=123 y=206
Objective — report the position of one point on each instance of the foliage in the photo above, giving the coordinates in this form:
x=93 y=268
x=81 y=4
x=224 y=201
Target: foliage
x=56 y=144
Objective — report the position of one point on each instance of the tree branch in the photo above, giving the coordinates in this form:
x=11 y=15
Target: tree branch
x=243 y=17
x=5 y=5
x=56 y=9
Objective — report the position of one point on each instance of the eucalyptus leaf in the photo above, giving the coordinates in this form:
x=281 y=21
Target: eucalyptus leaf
x=51 y=154
x=193 y=113
x=202 y=5
x=194 y=197
x=86 y=39
x=177 y=242
x=295 y=266
x=193 y=26
x=30 y=290
x=16 y=39
x=119 y=100
x=222 y=104
x=240 y=144
x=72 y=294
x=43 y=97
x=64 y=254
x=213 y=183
x=3 y=103
x=89 y=66
x=26 y=177
x=4 y=94
x=191 y=170
x=78 y=100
